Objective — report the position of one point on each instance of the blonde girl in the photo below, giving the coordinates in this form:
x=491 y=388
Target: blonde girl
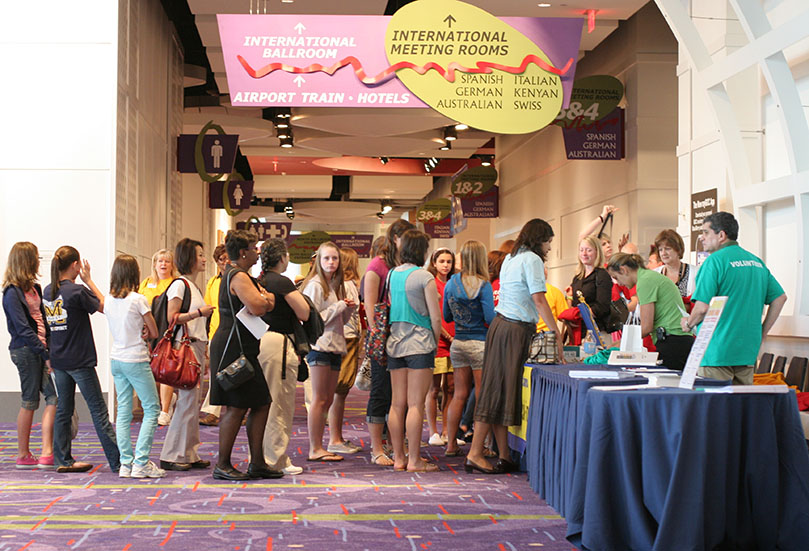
x=592 y=280
x=25 y=315
x=324 y=285
x=469 y=302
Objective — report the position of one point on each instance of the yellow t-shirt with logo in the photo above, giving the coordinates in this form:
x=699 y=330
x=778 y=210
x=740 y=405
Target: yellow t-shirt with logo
x=556 y=300
x=150 y=290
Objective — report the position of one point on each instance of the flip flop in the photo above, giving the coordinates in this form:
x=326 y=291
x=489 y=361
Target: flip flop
x=426 y=468
x=455 y=453
x=382 y=460
x=327 y=458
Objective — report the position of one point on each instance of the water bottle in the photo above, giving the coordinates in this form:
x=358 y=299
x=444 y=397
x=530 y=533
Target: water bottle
x=588 y=345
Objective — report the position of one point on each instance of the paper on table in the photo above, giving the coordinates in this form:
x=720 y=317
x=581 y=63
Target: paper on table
x=621 y=387
x=253 y=323
x=748 y=389
x=597 y=374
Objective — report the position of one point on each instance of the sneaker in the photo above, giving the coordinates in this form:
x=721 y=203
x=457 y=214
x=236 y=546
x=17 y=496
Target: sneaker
x=292 y=469
x=343 y=448
x=163 y=419
x=150 y=470
x=460 y=442
x=125 y=471
x=436 y=440
x=27 y=462
x=45 y=462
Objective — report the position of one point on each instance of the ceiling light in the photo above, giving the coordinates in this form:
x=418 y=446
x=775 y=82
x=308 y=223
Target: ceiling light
x=427 y=166
x=450 y=134
x=541 y=4
x=287 y=1
x=433 y=162
x=286 y=142
x=461 y=126
x=289 y=210
x=384 y=160
x=386 y=206
x=446 y=147
x=380 y=215
x=486 y=160
x=282 y=124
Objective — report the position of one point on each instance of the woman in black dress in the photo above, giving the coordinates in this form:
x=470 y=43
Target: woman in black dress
x=240 y=289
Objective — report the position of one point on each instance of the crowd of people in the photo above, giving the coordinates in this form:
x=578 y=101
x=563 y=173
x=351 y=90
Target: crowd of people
x=460 y=331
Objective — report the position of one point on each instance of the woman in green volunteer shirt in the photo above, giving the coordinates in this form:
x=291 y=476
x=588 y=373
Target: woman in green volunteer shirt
x=661 y=307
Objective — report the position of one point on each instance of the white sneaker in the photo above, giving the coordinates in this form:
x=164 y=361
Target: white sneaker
x=343 y=447
x=436 y=440
x=292 y=469
x=150 y=470
x=163 y=419
x=460 y=442
x=125 y=471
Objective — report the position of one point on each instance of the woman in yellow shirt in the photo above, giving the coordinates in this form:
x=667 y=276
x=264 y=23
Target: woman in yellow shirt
x=163 y=273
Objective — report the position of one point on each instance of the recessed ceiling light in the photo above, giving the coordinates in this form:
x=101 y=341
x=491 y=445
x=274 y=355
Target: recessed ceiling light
x=540 y=5
x=461 y=126
x=287 y=1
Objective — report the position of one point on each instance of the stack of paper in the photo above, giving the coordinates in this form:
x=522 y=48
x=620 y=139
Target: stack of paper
x=597 y=374
x=748 y=389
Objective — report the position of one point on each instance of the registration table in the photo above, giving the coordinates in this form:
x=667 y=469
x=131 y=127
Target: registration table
x=556 y=405
x=672 y=469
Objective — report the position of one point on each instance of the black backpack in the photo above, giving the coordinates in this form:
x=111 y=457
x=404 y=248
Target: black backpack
x=160 y=308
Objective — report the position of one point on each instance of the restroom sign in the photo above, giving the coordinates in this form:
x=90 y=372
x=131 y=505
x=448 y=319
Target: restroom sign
x=218 y=153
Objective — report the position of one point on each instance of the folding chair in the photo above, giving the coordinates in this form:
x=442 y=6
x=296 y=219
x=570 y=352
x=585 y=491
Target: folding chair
x=796 y=373
x=765 y=363
x=780 y=363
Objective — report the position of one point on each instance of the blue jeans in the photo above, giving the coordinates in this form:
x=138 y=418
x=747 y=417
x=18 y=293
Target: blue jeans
x=137 y=376
x=34 y=378
x=90 y=388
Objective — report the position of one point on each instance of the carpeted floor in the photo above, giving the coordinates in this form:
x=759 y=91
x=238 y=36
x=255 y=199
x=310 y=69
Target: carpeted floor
x=347 y=505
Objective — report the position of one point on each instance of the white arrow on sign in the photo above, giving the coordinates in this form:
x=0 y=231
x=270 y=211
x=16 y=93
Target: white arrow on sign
x=299 y=80
x=300 y=28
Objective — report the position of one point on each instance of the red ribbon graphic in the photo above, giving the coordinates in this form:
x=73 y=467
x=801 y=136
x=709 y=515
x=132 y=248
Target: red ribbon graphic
x=482 y=67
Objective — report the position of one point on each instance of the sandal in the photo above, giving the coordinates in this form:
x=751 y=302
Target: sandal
x=489 y=453
x=454 y=453
x=381 y=459
x=426 y=468
x=327 y=458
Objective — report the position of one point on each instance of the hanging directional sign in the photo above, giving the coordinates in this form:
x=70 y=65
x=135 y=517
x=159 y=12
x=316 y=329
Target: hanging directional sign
x=267 y=230
x=305 y=245
x=239 y=193
x=218 y=153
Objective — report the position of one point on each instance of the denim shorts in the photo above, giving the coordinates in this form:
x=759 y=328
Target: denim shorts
x=467 y=353
x=332 y=359
x=34 y=378
x=414 y=361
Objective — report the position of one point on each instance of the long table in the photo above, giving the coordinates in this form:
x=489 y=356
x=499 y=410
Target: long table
x=671 y=469
x=556 y=404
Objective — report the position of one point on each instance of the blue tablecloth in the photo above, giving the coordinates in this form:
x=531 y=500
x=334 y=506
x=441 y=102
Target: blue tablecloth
x=557 y=402
x=676 y=469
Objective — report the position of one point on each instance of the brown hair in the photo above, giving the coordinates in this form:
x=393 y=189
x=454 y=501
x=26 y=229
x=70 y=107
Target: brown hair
x=124 y=276
x=438 y=252
x=496 y=259
x=62 y=260
x=532 y=235
x=22 y=269
x=506 y=246
x=218 y=251
x=672 y=239
x=350 y=262
x=414 y=247
x=632 y=261
x=317 y=272
x=378 y=246
x=397 y=229
x=186 y=254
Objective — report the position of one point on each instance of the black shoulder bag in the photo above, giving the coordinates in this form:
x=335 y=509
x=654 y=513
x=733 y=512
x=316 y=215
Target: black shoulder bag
x=241 y=370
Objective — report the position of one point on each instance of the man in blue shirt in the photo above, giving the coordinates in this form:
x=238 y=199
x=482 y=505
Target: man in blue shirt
x=742 y=277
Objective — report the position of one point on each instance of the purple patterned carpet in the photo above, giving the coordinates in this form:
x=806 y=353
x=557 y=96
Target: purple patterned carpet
x=347 y=505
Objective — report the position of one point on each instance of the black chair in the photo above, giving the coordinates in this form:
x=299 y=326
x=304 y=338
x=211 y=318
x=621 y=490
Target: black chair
x=780 y=364
x=765 y=363
x=796 y=373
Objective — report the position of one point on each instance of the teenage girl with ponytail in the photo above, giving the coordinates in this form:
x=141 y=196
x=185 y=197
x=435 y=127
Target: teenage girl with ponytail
x=73 y=356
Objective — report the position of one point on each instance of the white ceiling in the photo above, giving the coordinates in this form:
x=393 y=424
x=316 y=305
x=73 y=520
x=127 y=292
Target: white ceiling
x=333 y=132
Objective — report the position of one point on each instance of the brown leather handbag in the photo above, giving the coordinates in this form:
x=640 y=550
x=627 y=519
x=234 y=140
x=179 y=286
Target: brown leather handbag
x=177 y=367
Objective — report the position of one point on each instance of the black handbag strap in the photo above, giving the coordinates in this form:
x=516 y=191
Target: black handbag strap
x=235 y=322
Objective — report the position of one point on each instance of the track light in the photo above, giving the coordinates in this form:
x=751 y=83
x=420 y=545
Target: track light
x=486 y=160
x=450 y=134
x=427 y=166
x=461 y=126
x=446 y=147
x=282 y=124
x=282 y=113
x=283 y=132
x=286 y=142
x=433 y=162
x=289 y=210
x=384 y=160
